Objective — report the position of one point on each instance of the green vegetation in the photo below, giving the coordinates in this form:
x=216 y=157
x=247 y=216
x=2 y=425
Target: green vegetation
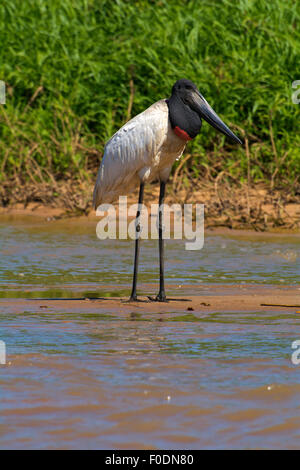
x=72 y=69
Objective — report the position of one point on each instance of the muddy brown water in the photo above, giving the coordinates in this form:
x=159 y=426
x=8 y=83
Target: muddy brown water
x=106 y=374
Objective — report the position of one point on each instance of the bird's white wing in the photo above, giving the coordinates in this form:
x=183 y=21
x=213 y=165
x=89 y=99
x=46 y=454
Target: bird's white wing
x=131 y=149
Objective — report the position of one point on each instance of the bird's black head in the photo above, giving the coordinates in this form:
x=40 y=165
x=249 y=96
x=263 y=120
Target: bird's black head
x=183 y=88
x=186 y=108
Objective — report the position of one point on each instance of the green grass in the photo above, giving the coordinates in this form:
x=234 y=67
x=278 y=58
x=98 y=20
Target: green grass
x=68 y=66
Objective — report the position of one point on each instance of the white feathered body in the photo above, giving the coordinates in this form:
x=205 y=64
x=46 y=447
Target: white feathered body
x=144 y=149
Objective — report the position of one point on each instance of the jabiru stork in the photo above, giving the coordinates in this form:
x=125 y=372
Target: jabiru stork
x=145 y=149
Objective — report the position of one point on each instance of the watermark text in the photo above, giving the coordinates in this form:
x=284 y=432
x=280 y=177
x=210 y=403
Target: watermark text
x=296 y=94
x=179 y=222
x=2 y=352
x=2 y=92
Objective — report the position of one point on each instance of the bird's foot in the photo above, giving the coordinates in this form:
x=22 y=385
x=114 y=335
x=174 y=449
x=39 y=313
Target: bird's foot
x=159 y=298
x=133 y=298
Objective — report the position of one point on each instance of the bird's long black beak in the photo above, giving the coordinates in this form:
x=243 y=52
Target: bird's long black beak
x=201 y=106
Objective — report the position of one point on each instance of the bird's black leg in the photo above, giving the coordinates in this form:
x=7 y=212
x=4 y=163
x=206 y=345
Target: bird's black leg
x=161 y=297
x=133 y=296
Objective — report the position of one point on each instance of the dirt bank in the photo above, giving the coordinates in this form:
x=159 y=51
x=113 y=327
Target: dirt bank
x=216 y=299
x=254 y=207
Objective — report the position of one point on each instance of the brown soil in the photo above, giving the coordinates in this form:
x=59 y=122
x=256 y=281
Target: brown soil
x=218 y=299
x=237 y=207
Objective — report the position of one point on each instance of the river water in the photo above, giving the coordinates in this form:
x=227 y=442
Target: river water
x=111 y=378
